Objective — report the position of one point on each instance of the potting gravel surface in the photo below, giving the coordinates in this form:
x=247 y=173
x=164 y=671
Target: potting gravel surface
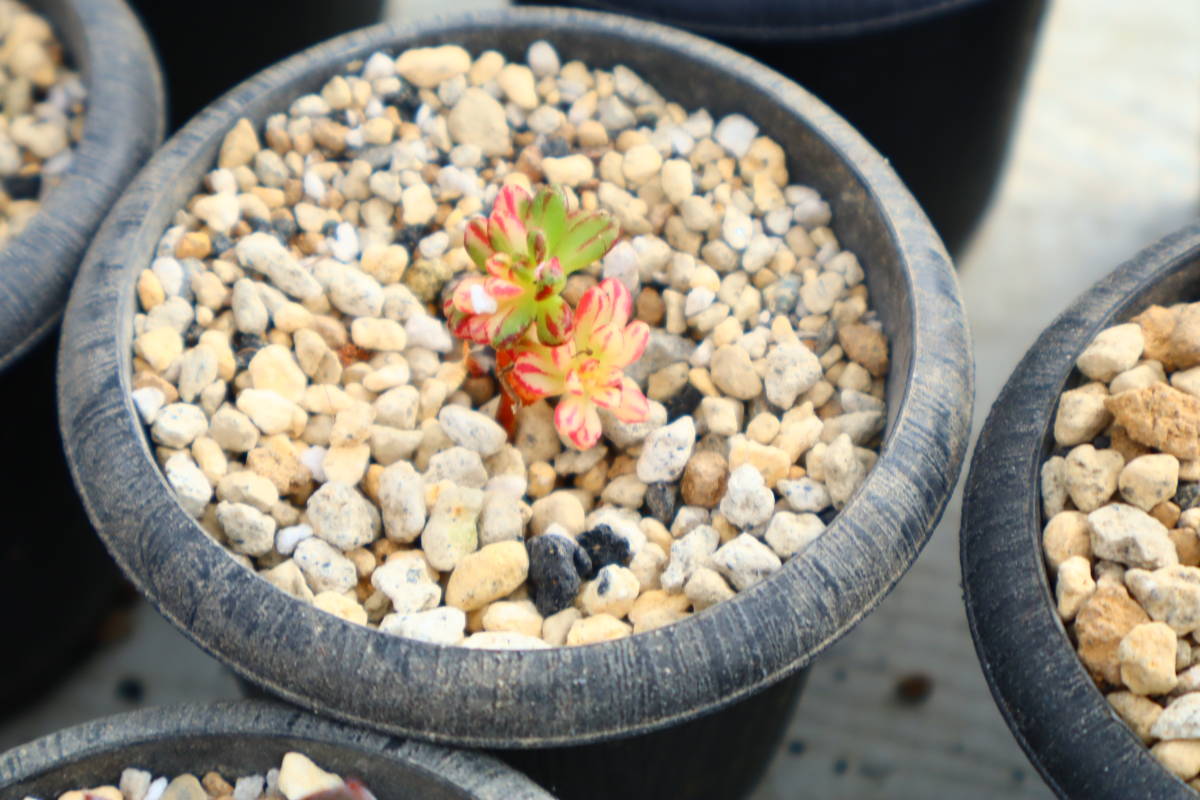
x=1122 y=538
x=312 y=411
x=296 y=778
x=41 y=114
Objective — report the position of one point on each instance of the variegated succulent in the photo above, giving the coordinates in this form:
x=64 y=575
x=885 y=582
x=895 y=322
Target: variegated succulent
x=527 y=247
x=586 y=371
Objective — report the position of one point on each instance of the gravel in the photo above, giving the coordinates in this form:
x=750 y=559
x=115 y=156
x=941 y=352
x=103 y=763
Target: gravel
x=312 y=411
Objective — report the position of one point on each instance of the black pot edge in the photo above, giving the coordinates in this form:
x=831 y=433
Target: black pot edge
x=938 y=406
x=850 y=23
x=1063 y=723
x=124 y=122
x=483 y=775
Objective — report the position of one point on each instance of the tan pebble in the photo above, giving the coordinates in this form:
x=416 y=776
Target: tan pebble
x=556 y=626
x=656 y=608
x=239 y=145
x=1187 y=545
x=514 y=616
x=763 y=428
x=300 y=777
x=1157 y=324
x=704 y=479
x=1113 y=351
x=1184 y=341
x=1100 y=625
x=613 y=591
x=1139 y=713
x=1082 y=414
x=340 y=606
x=771 y=462
x=656 y=533
x=150 y=290
x=1066 y=535
x=488 y=574
x=561 y=507
x=600 y=628
x=1149 y=480
x=1074 y=586
x=1180 y=757
x=159 y=347
x=1091 y=476
x=706 y=588
x=426 y=67
x=1161 y=417
x=1147 y=658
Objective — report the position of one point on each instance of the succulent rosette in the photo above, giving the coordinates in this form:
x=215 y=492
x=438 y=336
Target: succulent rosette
x=586 y=370
x=527 y=248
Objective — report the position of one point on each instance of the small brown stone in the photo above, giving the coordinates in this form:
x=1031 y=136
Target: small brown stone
x=704 y=479
x=1184 y=342
x=1187 y=546
x=1157 y=323
x=865 y=345
x=650 y=307
x=1100 y=626
x=1166 y=512
x=1119 y=440
x=1161 y=417
x=193 y=245
x=215 y=785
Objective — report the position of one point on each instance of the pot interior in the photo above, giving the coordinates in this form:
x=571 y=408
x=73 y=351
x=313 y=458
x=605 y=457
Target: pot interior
x=811 y=159
x=1176 y=283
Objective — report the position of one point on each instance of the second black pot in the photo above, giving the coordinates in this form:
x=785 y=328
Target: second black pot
x=934 y=85
x=1054 y=709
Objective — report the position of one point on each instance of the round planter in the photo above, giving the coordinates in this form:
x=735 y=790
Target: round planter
x=915 y=77
x=250 y=738
x=261 y=33
x=566 y=697
x=50 y=542
x=1057 y=714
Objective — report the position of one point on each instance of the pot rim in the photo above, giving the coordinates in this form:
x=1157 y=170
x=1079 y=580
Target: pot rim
x=124 y=121
x=840 y=20
x=484 y=776
x=1073 y=737
x=518 y=698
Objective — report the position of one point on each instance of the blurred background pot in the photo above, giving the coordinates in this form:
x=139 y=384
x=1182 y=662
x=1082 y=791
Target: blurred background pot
x=934 y=85
x=701 y=702
x=1053 y=707
x=57 y=580
x=207 y=47
x=238 y=739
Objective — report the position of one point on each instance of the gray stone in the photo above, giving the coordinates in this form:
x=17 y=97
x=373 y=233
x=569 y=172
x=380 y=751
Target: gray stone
x=666 y=451
x=745 y=561
x=342 y=516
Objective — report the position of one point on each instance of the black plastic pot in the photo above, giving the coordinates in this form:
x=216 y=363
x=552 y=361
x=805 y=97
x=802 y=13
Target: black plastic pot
x=934 y=85
x=208 y=47
x=554 y=701
x=248 y=738
x=54 y=576
x=1055 y=711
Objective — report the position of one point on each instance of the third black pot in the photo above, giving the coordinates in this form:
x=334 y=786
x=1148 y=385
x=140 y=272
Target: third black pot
x=237 y=739
x=701 y=702
x=1055 y=711
x=934 y=85
x=56 y=581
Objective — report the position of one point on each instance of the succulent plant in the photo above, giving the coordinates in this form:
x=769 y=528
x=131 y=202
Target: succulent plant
x=527 y=247
x=586 y=370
